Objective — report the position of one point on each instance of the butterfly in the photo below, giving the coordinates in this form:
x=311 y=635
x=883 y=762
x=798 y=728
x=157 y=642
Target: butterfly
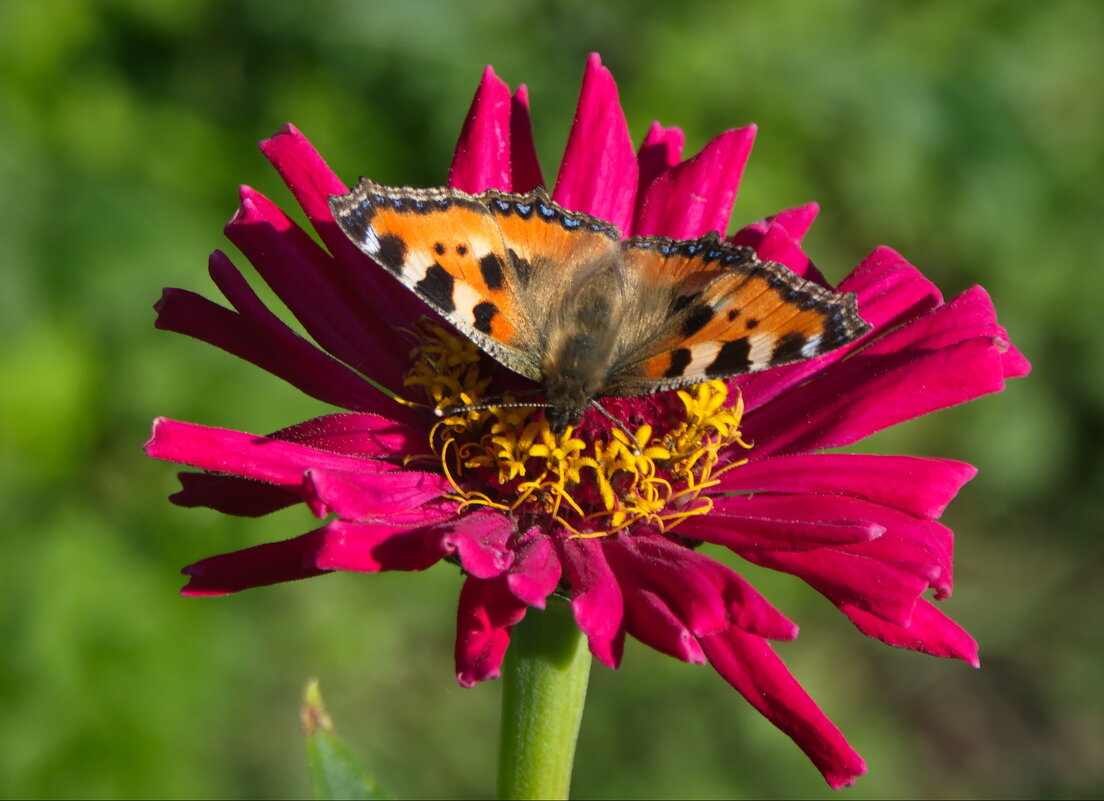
x=558 y=297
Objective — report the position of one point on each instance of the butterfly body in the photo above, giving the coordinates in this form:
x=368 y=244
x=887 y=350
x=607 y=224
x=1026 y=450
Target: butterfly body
x=558 y=297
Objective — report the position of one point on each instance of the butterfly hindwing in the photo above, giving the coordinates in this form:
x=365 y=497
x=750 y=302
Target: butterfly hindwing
x=728 y=313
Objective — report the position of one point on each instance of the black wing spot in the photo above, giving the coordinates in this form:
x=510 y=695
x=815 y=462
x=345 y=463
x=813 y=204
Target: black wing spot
x=734 y=357
x=522 y=268
x=439 y=249
x=392 y=252
x=788 y=349
x=437 y=288
x=461 y=250
x=490 y=266
x=697 y=319
x=482 y=314
x=751 y=323
x=733 y=314
x=682 y=301
x=680 y=359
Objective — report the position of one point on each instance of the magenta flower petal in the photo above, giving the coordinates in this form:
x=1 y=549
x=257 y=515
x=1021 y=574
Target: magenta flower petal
x=526 y=170
x=720 y=598
x=868 y=394
x=774 y=242
x=696 y=196
x=306 y=368
x=920 y=486
x=482 y=157
x=753 y=533
x=928 y=631
x=536 y=570
x=232 y=495
x=312 y=182
x=315 y=368
x=364 y=495
x=371 y=436
x=247 y=455
x=259 y=566
x=650 y=620
x=598 y=174
x=305 y=279
x=596 y=598
x=890 y=292
x=377 y=546
x=751 y=666
x=486 y=612
x=480 y=540
x=660 y=151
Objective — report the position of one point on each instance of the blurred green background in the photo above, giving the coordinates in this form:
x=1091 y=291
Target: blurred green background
x=970 y=136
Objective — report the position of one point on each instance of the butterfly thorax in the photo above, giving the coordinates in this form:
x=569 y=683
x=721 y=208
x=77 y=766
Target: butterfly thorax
x=580 y=353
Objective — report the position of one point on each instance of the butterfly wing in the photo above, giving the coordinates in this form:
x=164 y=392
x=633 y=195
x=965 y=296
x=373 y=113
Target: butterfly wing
x=498 y=266
x=713 y=310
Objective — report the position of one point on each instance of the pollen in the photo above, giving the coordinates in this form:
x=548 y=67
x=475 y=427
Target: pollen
x=593 y=485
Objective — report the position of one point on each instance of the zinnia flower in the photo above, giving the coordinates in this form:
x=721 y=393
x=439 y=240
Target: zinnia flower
x=614 y=525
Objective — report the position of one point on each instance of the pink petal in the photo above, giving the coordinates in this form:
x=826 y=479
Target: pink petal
x=312 y=182
x=482 y=157
x=366 y=435
x=307 y=280
x=363 y=495
x=536 y=570
x=797 y=221
x=704 y=594
x=377 y=546
x=929 y=631
x=595 y=598
x=598 y=173
x=870 y=393
x=890 y=291
x=259 y=566
x=231 y=495
x=523 y=151
x=750 y=665
x=660 y=151
x=479 y=540
x=305 y=367
x=887 y=590
x=247 y=455
x=774 y=242
x=749 y=533
x=305 y=361
x=912 y=484
x=485 y=615
x=920 y=546
x=696 y=196
x=650 y=620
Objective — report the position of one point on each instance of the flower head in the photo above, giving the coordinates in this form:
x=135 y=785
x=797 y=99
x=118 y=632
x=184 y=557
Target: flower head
x=611 y=514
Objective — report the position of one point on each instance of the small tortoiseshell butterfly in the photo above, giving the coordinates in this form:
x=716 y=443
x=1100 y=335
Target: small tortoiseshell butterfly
x=558 y=297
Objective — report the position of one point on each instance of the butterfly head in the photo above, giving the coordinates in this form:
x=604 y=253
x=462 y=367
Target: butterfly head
x=573 y=377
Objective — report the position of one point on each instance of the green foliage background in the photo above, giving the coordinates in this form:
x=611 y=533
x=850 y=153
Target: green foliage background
x=970 y=136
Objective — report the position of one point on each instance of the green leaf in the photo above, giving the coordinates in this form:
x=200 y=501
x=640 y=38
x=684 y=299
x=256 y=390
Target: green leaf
x=335 y=772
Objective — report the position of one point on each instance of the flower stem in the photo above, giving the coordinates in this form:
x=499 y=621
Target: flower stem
x=543 y=693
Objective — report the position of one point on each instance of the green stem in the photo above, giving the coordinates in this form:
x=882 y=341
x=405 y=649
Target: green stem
x=543 y=692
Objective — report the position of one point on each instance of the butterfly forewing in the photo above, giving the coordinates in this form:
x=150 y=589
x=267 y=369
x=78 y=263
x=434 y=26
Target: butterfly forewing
x=446 y=246
x=749 y=315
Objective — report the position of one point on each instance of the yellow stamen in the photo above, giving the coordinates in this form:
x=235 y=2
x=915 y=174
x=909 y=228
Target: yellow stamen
x=592 y=489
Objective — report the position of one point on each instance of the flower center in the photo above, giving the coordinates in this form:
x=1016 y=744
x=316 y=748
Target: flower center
x=593 y=484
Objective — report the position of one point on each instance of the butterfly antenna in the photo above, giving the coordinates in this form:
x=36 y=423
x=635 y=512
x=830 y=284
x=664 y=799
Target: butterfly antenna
x=480 y=407
x=632 y=439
